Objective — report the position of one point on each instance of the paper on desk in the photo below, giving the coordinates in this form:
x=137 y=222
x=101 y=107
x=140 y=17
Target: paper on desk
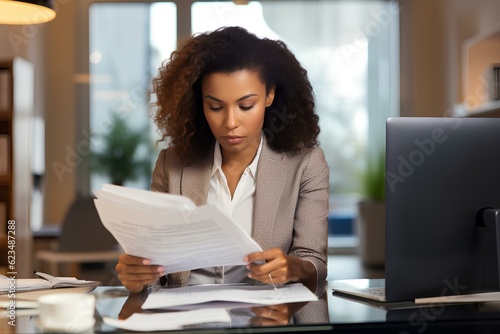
x=171 y=231
x=33 y=284
x=26 y=302
x=470 y=298
x=254 y=294
x=166 y=321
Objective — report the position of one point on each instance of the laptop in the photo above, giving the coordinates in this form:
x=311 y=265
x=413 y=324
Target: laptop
x=373 y=289
x=441 y=174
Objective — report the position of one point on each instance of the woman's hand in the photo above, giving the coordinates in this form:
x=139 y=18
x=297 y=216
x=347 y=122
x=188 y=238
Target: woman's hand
x=280 y=267
x=136 y=272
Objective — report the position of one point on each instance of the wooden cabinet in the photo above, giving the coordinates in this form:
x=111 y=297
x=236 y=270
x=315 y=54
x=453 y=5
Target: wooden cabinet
x=16 y=114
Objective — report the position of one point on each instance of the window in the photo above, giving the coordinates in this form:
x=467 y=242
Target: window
x=123 y=57
x=349 y=48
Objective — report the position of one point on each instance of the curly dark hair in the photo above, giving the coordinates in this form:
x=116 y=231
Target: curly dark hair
x=290 y=123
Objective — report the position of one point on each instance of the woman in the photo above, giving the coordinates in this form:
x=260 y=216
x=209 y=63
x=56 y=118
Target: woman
x=239 y=113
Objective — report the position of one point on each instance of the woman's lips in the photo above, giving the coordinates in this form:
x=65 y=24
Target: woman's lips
x=233 y=139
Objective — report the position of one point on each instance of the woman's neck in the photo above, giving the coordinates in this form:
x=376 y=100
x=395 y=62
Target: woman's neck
x=241 y=159
x=234 y=164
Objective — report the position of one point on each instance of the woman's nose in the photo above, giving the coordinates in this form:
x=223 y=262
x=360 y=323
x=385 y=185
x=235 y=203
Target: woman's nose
x=232 y=119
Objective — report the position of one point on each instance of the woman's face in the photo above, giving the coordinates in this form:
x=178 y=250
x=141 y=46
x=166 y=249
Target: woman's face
x=234 y=105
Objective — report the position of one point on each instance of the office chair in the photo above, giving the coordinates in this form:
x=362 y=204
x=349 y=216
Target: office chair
x=83 y=239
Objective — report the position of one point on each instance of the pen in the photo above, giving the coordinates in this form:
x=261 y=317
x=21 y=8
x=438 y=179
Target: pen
x=272 y=282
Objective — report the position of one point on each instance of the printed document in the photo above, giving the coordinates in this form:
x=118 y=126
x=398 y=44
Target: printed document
x=252 y=294
x=171 y=230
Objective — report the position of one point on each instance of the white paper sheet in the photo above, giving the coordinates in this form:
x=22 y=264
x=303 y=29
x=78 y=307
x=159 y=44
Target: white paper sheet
x=470 y=298
x=145 y=322
x=171 y=231
x=254 y=294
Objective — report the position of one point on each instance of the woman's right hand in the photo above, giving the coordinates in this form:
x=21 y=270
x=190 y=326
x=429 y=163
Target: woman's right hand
x=136 y=272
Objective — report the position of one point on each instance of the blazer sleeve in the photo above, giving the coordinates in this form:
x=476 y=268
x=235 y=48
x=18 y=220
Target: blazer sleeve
x=165 y=170
x=159 y=179
x=310 y=235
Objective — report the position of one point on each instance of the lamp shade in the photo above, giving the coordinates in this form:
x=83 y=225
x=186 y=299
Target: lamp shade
x=26 y=11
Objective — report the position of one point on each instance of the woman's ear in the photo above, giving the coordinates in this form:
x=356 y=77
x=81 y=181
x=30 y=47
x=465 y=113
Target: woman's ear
x=270 y=96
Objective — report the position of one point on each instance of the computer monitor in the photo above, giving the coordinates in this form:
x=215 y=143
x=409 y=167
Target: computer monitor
x=440 y=174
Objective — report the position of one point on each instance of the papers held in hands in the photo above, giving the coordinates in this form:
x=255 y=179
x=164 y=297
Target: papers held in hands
x=171 y=230
x=45 y=281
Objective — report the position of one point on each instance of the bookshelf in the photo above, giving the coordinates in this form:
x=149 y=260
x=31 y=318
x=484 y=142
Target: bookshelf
x=481 y=54
x=487 y=109
x=16 y=113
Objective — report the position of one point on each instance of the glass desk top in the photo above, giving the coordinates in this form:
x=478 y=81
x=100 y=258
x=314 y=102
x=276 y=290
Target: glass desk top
x=333 y=312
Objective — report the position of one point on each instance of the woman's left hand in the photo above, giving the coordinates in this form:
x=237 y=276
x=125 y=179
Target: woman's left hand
x=280 y=267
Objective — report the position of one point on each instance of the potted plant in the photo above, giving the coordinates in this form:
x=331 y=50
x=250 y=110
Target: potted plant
x=117 y=157
x=371 y=214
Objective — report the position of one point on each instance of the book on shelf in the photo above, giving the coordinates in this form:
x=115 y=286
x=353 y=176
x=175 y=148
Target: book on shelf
x=44 y=282
x=3 y=218
x=4 y=91
x=493 y=82
x=4 y=155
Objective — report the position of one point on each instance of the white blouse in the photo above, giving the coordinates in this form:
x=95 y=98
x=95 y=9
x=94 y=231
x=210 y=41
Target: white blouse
x=240 y=208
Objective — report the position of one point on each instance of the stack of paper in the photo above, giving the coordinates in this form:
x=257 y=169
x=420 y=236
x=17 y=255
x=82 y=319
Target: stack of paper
x=208 y=304
x=249 y=294
x=26 y=303
x=171 y=231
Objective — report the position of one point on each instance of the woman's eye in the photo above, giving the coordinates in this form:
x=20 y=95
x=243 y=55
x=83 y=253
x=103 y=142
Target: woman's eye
x=215 y=108
x=246 y=107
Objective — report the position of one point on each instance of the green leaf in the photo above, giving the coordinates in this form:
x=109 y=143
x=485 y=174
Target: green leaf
x=117 y=158
x=374 y=179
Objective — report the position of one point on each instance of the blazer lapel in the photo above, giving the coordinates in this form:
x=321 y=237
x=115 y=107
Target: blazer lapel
x=271 y=176
x=195 y=180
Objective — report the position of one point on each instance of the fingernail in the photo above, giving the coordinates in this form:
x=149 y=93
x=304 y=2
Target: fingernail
x=247 y=266
x=249 y=275
x=245 y=259
x=160 y=269
x=146 y=261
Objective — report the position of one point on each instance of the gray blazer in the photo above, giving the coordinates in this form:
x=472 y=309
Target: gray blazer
x=291 y=200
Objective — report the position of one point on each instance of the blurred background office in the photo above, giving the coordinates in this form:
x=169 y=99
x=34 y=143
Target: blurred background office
x=367 y=60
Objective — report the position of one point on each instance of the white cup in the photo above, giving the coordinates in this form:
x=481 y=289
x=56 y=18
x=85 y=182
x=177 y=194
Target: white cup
x=67 y=312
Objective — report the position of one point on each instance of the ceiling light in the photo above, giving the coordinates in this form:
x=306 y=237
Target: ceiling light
x=26 y=11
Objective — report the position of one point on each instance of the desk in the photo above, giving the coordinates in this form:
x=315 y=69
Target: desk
x=330 y=314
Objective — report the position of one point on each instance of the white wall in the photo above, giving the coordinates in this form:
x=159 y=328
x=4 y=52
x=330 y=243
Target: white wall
x=59 y=51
